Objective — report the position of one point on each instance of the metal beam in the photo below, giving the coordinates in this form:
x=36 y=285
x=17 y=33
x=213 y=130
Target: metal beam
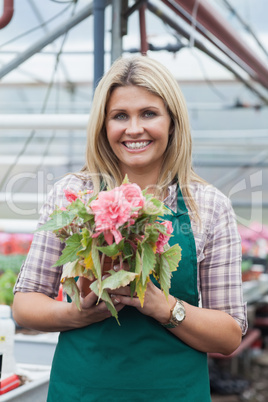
x=201 y=46
x=116 y=37
x=245 y=25
x=8 y=11
x=99 y=29
x=46 y=30
x=44 y=121
x=40 y=44
x=133 y=8
x=203 y=15
x=143 y=35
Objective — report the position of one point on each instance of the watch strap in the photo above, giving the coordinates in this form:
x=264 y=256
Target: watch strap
x=170 y=324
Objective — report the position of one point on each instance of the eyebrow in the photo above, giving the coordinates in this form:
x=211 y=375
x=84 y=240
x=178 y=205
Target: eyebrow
x=124 y=110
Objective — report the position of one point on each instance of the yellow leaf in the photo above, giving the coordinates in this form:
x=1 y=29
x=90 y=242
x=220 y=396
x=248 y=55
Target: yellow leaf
x=71 y=270
x=141 y=288
x=88 y=261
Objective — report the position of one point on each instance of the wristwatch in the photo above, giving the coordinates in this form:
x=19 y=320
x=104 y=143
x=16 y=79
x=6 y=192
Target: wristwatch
x=177 y=315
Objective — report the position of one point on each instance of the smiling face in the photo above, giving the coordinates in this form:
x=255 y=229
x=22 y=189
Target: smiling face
x=138 y=126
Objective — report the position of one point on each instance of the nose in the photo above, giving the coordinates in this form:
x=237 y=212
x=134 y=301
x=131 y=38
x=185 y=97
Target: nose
x=134 y=126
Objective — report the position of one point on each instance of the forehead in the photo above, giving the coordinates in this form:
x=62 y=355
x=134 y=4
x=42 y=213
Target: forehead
x=131 y=94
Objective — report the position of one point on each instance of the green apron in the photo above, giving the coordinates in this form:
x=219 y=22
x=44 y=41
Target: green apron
x=139 y=360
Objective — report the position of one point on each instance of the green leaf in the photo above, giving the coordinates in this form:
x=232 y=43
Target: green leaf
x=70 y=287
x=127 y=251
x=106 y=298
x=151 y=233
x=153 y=206
x=164 y=276
x=85 y=254
x=125 y=181
x=78 y=208
x=118 y=279
x=132 y=268
x=58 y=221
x=112 y=250
x=110 y=305
x=168 y=263
x=95 y=288
x=173 y=256
x=161 y=228
x=138 y=263
x=96 y=264
x=156 y=271
x=86 y=238
x=148 y=261
x=74 y=269
x=69 y=254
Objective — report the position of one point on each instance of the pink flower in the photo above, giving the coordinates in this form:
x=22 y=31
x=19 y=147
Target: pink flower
x=133 y=194
x=70 y=196
x=163 y=239
x=110 y=235
x=111 y=210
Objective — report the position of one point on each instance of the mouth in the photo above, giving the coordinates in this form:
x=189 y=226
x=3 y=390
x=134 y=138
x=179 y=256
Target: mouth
x=136 y=144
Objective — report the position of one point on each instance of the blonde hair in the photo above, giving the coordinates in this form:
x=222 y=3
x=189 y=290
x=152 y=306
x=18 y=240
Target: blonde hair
x=102 y=163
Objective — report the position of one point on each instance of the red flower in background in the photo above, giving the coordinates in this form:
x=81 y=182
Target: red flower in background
x=15 y=243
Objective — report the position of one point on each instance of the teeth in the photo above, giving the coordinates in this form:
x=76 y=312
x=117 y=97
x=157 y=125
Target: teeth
x=136 y=145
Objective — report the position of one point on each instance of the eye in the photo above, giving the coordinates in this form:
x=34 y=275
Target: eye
x=120 y=116
x=149 y=113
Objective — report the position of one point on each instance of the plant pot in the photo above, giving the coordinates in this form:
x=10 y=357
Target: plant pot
x=84 y=283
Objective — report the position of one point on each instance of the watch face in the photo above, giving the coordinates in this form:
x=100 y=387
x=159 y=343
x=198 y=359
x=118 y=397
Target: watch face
x=178 y=313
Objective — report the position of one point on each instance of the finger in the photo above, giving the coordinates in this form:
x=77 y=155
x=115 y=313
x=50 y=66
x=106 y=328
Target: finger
x=88 y=301
x=103 y=309
x=128 y=301
x=124 y=291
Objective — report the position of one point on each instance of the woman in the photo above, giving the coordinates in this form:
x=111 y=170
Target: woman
x=139 y=126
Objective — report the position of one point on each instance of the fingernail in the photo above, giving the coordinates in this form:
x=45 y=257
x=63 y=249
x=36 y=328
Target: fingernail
x=116 y=267
x=115 y=300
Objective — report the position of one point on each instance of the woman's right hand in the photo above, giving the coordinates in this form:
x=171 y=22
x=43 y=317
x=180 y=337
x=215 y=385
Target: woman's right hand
x=91 y=312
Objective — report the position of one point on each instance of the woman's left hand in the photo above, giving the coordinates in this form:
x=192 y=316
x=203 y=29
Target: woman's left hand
x=203 y=329
x=155 y=303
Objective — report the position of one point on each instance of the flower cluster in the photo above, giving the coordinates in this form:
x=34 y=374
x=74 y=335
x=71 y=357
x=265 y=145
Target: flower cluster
x=116 y=207
x=124 y=224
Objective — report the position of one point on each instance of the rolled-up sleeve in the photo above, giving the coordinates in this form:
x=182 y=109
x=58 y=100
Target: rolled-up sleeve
x=220 y=269
x=37 y=274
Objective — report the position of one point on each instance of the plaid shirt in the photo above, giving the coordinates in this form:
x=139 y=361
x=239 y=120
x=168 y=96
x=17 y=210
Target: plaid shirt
x=218 y=249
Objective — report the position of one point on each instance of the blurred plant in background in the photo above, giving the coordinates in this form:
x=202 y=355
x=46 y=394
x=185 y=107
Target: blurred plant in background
x=13 y=250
